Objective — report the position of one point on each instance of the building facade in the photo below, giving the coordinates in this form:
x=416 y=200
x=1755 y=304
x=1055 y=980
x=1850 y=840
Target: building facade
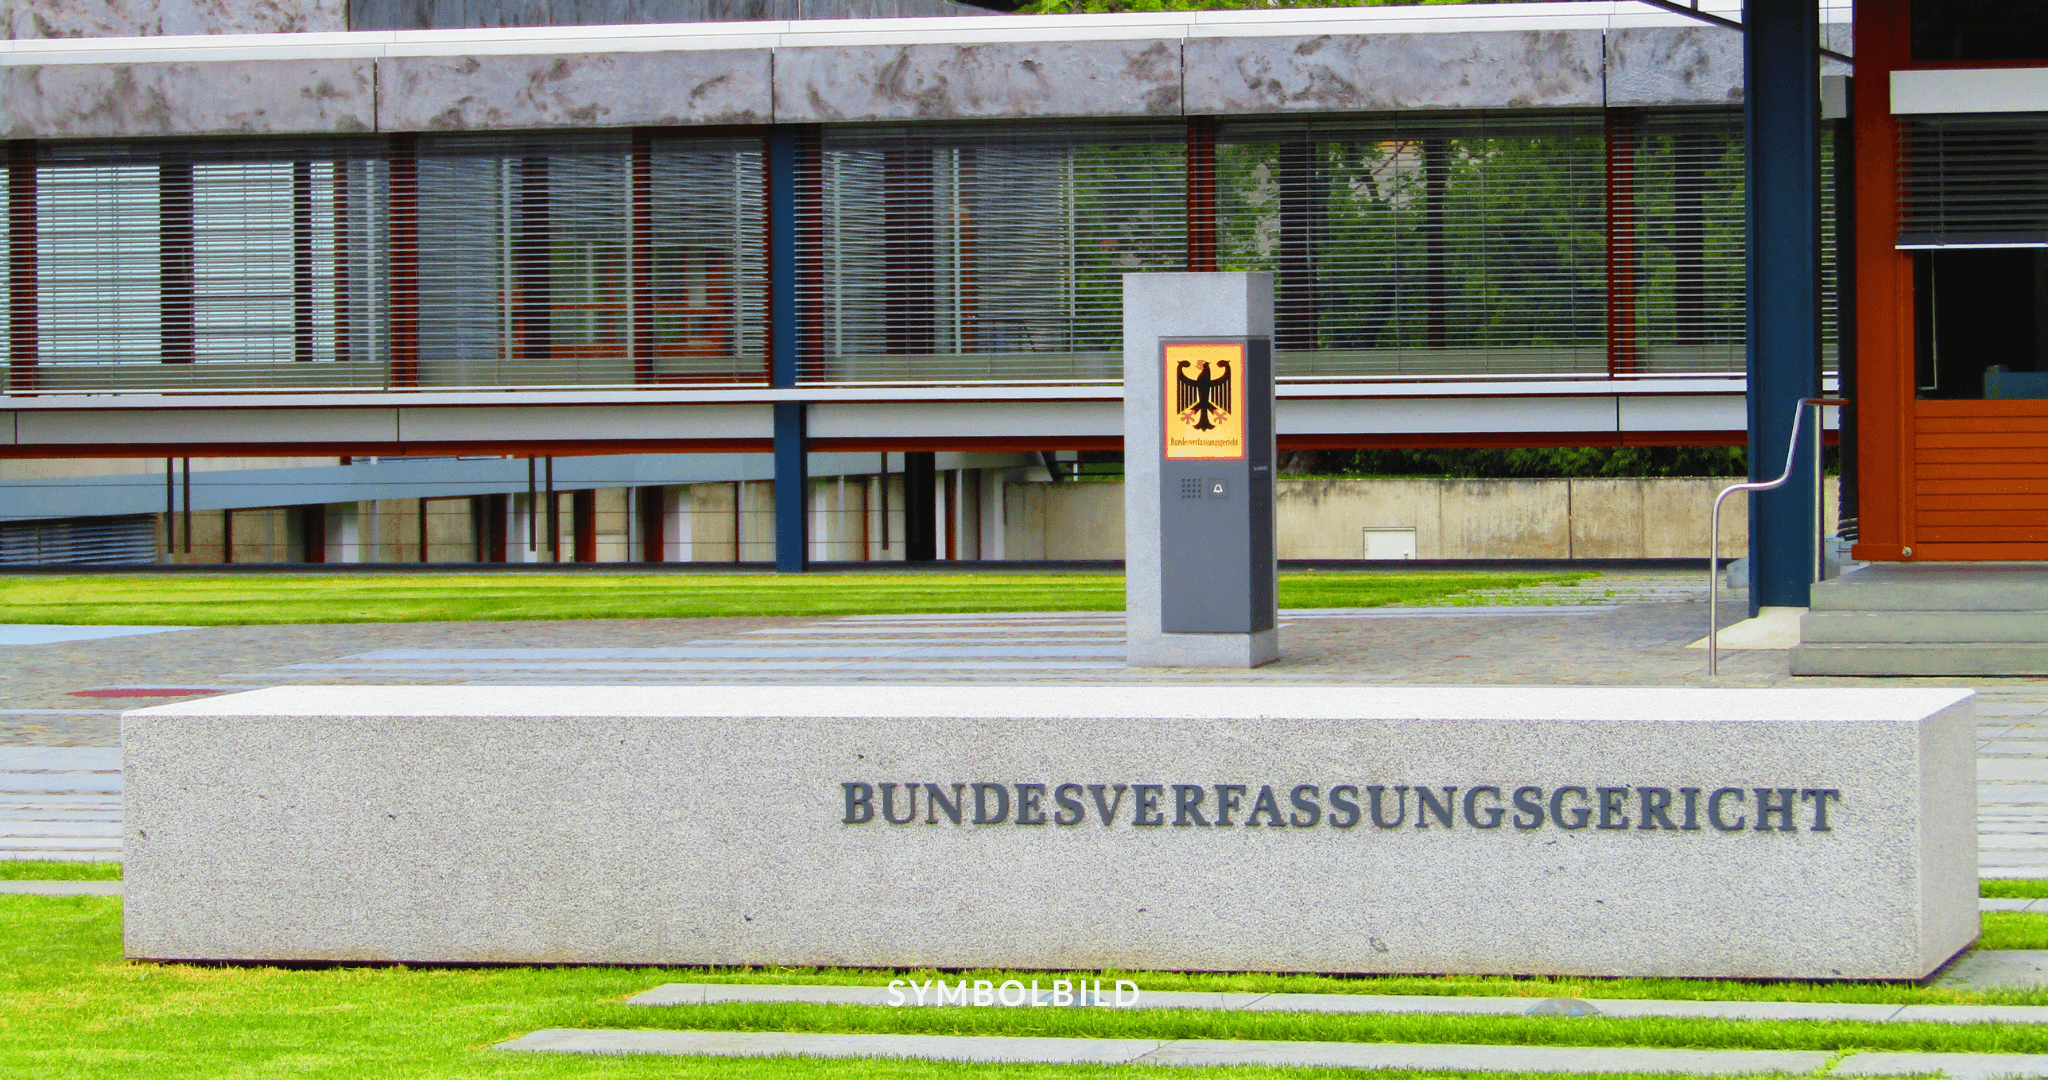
x=1489 y=225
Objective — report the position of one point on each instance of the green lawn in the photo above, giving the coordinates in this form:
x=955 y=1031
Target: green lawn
x=2014 y=888
x=221 y=599
x=56 y=870
x=2014 y=930
x=70 y=1007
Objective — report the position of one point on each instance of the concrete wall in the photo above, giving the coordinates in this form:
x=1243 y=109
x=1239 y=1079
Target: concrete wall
x=1654 y=518
x=846 y=512
x=1063 y=520
x=998 y=514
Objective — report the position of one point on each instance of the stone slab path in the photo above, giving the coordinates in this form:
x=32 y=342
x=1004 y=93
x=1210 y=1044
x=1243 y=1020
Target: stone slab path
x=1446 y=1057
x=60 y=888
x=670 y=994
x=989 y=1048
x=60 y=802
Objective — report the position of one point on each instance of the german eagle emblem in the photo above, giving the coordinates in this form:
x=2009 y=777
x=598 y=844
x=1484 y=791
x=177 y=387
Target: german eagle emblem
x=1205 y=398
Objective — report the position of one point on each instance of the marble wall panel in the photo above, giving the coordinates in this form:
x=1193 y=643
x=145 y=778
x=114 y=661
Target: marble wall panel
x=236 y=97
x=1674 y=65
x=945 y=82
x=145 y=18
x=1497 y=69
x=483 y=93
x=254 y=16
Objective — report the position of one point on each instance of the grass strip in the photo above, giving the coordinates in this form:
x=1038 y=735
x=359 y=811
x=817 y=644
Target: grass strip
x=2014 y=888
x=70 y=1007
x=2014 y=930
x=222 y=599
x=58 y=870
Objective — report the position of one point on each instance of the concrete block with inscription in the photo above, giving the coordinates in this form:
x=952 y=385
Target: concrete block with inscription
x=1609 y=831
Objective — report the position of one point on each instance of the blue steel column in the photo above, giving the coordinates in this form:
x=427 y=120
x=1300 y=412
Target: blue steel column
x=1781 y=95
x=792 y=472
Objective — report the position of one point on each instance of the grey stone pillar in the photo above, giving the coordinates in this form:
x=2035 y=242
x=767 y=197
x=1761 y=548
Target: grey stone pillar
x=1160 y=306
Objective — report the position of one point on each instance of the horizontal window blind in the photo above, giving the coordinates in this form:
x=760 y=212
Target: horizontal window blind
x=591 y=259
x=984 y=251
x=101 y=541
x=207 y=264
x=608 y=258
x=1973 y=181
x=1682 y=239
x=708 y=264
x=1403 y=245
x=1420 y=244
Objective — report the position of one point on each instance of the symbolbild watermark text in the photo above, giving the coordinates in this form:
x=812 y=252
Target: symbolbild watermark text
x=1012 y=994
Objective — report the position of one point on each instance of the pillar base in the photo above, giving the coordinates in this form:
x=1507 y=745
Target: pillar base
x=1202 y=650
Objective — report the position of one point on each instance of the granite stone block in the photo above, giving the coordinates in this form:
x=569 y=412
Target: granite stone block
x=1332 y=73
x=752 y=825
x=982 y=81
x=573 y=90
x=1674 y=65
x=228 y=97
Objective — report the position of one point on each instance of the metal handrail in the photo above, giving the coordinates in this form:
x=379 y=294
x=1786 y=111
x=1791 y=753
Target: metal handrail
x=1714 y=524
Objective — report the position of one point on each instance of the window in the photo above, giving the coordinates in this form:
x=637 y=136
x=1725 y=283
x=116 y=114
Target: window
x=987 y=251
x=1967 y=30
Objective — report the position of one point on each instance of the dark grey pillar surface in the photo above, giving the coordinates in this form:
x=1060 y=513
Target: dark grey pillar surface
x=1782 y=118
x=920 y=507
x=792 y=473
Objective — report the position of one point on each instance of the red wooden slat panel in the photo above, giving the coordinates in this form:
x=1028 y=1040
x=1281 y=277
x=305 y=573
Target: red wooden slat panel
x=1982 y=534
x=2035 y=426
x=1926 y=455
x=2019 y=470
x=1930 y=504
x=2016 y=552
x=2013 y=407
x=1979 y=487
x=1988 y=517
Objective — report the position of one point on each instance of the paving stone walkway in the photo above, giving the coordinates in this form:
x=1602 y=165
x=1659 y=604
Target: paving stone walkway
x=1445 y=1057
x=60 y=802
x=1624 y=628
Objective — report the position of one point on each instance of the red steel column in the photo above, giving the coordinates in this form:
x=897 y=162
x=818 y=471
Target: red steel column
x=405 y=262
x=1621 y=242
x=640 y=282
x=1201 y=194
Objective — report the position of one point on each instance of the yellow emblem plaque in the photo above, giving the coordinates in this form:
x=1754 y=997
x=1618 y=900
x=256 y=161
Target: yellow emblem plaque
x=1204 y=399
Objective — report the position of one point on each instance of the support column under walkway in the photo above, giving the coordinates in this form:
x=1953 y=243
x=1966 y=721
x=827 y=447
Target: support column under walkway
x=1781 y=107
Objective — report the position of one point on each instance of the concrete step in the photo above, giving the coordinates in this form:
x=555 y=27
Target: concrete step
x=1936 y=587
x=1924 y=627
x=1969 y=658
